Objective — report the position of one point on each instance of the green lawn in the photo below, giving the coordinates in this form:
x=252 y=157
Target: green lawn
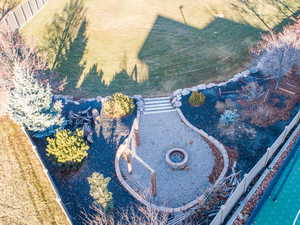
x=151 y=47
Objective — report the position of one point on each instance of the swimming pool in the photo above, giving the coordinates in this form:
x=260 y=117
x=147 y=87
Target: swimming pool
x=282 y=204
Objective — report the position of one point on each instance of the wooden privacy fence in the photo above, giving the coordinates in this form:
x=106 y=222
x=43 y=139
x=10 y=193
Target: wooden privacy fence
x=248 y=178
x=18 y=17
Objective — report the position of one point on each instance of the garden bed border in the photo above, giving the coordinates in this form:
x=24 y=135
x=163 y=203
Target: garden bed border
x=214 y=141
x=176 y=96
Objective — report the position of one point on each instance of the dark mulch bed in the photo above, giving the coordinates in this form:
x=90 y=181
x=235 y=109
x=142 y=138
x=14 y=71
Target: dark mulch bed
x=73 y=186
x=249 y=148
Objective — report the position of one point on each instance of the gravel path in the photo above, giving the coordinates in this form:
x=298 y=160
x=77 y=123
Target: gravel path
x=159 y=133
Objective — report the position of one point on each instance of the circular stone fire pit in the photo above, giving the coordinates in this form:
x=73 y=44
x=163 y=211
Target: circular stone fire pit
x=177 y=158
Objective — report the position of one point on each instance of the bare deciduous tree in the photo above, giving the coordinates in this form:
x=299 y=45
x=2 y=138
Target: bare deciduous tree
x=277 y=54
x=14 y=51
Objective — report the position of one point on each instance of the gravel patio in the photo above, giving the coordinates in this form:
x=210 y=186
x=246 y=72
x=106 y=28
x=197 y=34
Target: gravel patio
x=160 y=133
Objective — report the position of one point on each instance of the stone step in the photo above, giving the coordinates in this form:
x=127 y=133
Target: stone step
x=156 y=103
x=156 y=99
x=158 y=107
x=158 y=111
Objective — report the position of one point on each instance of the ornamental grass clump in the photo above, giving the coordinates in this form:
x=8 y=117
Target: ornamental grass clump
x=99 y=190
x=229 y=117
x=196 y=99
x=118 y=105
x=67 y=147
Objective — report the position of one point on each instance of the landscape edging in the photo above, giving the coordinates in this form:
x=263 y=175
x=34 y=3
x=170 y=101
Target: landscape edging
x=177 y=94
x=214 y=141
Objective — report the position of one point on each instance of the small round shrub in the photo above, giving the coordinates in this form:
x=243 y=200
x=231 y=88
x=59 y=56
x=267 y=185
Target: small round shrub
x=67 y=147
x=196 y=99
x=118 y=105
x=99 y=190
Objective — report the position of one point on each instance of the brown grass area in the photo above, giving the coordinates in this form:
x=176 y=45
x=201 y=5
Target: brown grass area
x=25 y=194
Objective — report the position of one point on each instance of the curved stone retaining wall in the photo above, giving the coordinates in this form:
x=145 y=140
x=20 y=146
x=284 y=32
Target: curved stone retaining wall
x=219 y=146
x=137 y=196
x=176 y=97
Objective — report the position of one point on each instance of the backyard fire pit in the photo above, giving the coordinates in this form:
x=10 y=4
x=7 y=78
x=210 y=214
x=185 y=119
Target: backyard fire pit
x=177 y=158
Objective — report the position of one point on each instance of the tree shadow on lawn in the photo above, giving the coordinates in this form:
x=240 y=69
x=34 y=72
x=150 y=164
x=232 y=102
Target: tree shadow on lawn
x=287 y=21
x=287 y=14
x=70 y=64
x=65 y=43
x=93 y=84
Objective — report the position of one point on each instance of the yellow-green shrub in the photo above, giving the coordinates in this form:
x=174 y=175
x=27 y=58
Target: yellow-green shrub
x=196 y=98
x=118 y=105
x=67 y=146
x=99 y=190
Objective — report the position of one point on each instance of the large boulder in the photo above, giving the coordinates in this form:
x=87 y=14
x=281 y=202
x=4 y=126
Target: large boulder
x=177 y=92
x=185 y=92
x=177 y=104
x=201 y=86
